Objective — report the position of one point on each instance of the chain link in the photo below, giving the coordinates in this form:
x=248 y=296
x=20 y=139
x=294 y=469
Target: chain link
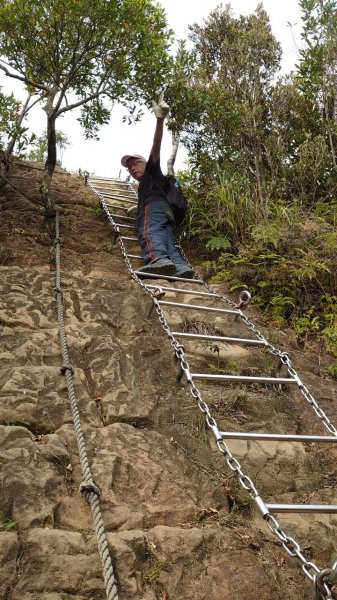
x=322 y=590
x=290 y=545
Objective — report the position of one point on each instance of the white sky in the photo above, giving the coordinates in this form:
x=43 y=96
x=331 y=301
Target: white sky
x=117 y=138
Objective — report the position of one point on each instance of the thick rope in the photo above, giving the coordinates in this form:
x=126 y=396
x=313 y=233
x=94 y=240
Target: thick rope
x=88 y=488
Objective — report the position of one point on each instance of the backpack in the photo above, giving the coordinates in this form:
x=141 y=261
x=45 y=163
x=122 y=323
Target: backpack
x=176 y=198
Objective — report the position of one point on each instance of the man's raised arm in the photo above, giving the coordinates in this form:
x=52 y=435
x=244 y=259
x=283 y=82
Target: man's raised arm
x=161 y=110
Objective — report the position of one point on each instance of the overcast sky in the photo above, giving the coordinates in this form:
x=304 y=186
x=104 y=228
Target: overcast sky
x=117 y=138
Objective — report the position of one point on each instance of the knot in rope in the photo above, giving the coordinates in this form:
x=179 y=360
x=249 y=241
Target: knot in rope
x=57 y=290
x=87 y=488
x=65 y=368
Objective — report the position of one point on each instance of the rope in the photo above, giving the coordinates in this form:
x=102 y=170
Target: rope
x=88 y=488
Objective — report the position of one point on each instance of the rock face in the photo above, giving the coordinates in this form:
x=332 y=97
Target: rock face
x=179 y=526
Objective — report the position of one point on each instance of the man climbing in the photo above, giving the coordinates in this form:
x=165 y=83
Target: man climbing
x=155 y=220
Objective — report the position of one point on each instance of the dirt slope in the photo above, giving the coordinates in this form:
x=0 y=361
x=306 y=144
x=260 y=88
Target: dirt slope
x=179 y=525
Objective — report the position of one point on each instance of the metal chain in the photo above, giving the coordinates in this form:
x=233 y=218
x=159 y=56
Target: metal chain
x=292 y=547
x=283 y=356
x=88 y=488
x=285 y=360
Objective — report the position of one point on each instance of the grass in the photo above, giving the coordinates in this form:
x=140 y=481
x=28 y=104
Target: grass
x=107 y=247
x=154 y=571
x=6 y=523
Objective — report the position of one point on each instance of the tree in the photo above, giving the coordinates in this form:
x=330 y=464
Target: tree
x=12 y=114
x=9 y=111
x=317 y=70
x=78 y=53
x=290 y=119
x=184 y=96
x=237 y=60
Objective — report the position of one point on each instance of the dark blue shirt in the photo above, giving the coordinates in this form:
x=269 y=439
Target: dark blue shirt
x=152 y=185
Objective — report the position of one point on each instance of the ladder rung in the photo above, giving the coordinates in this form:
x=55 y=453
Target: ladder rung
x=128 y=189
x=277 y=437
x=115 y=197
x=123 y=217
x=116 y=182
x=110 y=183
x=101 y=177
x=123 y=225
x=168 y=277
x=107 y=191
x=196 y=307
x=131 y=239
x=135 y=256
x=183 y=290
x=302 y=508
x=246 y=378
x=117 y=206
x=218 y=338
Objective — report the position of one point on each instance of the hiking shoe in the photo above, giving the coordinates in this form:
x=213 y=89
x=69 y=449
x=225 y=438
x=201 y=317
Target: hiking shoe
x=162 y=266
x=186 y=272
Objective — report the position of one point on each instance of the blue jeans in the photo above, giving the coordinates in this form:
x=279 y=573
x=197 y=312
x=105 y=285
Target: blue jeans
x=154 y=227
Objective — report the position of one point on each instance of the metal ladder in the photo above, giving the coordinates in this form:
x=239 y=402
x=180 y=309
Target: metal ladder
x=116 y=199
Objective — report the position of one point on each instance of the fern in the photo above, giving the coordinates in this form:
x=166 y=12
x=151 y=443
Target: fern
x=267 y=233
x=219 y=242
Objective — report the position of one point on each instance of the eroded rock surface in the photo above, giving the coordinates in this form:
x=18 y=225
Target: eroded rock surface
x=179 y=525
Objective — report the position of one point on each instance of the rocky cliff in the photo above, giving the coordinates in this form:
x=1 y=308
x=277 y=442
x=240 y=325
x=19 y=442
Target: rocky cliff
x=179 y=526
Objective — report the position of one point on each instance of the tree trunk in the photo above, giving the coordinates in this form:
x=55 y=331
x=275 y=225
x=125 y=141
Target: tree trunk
x=327 y=122
x=258 y=163
x=175 y=146
x=258 y=173
x=49 y=166
x=329 y=132
x=335 y=93
x=255 y=97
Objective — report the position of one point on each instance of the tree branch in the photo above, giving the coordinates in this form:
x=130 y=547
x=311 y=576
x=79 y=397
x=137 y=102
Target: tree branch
x=174 y=150
x=31 y=106
x=80 y=102
x=24 y=79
